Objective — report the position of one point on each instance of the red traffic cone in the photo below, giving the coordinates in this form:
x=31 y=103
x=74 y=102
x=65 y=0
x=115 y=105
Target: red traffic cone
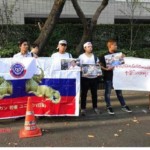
x=30 y=129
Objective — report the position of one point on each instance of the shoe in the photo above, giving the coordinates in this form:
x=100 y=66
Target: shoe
x=83 y=112
x=126 y=109
x=96 y=111
x=110 y=111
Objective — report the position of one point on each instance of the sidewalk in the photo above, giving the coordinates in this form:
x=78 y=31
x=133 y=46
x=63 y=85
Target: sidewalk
x=133 y=99
x=104 y=130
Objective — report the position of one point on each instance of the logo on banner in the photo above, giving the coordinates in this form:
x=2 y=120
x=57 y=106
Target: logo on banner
x=17 y=70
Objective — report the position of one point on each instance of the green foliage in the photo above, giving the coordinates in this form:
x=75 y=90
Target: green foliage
x=69 y=32
x=8 y=50
x=73 y=33
x=10 y=36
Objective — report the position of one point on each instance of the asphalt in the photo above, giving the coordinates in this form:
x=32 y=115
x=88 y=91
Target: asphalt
x=120 y=130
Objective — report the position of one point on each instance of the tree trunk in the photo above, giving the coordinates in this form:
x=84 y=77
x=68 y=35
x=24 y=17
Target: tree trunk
x=89 y=26
x=50 y=23
x=87 y=36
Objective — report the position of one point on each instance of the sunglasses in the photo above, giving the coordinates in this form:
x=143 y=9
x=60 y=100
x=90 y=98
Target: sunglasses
x=63 y=44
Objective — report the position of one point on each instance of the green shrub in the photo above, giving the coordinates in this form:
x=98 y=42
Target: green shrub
x=9 y=50
x=73 y=33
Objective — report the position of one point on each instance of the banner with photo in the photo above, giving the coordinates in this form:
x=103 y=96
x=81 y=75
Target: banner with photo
x=70 y=64
x=53 y=93
x=133 y=75
x=91 y=70
x=114 y=59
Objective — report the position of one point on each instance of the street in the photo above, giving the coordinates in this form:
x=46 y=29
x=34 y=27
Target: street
x=120 y=130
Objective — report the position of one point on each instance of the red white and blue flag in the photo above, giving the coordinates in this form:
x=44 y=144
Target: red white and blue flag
x=53 y=93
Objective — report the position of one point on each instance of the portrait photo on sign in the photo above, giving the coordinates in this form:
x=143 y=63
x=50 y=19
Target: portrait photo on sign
x=115 y=59
x=70 y=64
x=91 y=70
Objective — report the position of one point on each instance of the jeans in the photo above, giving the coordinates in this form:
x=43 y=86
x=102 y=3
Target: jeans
x=108 y=87
x=87 y=84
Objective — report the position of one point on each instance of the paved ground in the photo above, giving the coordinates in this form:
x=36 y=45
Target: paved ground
x=121 y=130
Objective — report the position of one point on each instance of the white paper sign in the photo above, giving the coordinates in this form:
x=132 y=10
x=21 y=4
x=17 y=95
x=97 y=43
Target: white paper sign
x=133 y=75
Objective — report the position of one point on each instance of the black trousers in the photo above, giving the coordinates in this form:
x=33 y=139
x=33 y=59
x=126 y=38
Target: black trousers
x=87 y=84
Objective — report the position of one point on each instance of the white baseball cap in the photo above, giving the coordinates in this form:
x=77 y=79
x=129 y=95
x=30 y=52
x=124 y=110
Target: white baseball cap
x=87 y=44
x=62 y=42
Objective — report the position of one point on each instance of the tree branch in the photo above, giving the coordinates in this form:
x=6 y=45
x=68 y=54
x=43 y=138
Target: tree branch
x=50 y=23
x=99 y=10
x=88 y=26
x=79 y=12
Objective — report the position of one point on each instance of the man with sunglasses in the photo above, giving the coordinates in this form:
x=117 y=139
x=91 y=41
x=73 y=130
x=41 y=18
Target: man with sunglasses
x=61 y=54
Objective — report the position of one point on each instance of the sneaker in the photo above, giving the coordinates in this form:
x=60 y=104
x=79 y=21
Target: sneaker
x=96 y=111
x=83 y=112
x=110 y=111
x=126 y=109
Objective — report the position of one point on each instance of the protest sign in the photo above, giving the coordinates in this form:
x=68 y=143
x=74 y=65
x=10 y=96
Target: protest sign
x=114 y=59
x=133 y=75
x=53 y=93
x=91 y=70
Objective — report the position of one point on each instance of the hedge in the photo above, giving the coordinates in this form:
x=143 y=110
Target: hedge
x=72 y=33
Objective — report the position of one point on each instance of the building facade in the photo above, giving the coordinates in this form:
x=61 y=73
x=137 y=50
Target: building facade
x=33 y=11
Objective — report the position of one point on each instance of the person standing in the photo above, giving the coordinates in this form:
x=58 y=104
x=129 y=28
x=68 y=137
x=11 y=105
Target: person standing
x=24 y=52
x=88 y=82
x=108 y=76
x=24 y=46
x=34 y=50
x=61 y=54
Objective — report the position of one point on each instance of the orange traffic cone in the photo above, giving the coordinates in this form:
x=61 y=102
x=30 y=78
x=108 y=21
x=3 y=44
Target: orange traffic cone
x=30 y=129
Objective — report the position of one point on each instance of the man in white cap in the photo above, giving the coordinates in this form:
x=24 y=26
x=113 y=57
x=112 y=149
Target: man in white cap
x=61 y=54
x=88 y=82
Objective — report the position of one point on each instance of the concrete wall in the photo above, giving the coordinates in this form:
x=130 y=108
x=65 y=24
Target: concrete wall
x=41 y=8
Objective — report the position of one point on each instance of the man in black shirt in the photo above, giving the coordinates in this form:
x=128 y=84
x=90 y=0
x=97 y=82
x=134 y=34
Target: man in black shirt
x=108 y=76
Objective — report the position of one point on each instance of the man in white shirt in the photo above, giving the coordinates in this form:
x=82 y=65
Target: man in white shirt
x=61 y=54
x=23 y=45
x=88 y=82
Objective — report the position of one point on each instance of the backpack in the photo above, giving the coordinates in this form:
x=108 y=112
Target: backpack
x=69 y=55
